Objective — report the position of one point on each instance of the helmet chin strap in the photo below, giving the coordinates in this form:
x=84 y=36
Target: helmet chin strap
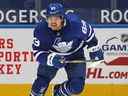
x=64 y=22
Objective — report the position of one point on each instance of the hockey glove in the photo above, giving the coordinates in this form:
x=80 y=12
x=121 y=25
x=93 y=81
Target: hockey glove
x=96 y=53
x=55 y=60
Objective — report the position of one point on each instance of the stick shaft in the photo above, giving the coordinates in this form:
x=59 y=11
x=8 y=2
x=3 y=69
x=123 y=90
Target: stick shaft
x=79 y=61
x=94 y=63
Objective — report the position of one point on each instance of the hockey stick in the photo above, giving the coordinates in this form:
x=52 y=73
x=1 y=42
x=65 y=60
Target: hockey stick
x=94 y=63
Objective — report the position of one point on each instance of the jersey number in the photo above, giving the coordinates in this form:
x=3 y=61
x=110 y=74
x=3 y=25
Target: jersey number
x=84 y=27
x=36 y=42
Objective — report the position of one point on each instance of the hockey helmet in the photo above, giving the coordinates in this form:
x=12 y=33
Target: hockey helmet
x=56 y=9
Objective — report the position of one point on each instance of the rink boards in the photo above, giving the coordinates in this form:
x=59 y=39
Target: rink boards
x=18 y=67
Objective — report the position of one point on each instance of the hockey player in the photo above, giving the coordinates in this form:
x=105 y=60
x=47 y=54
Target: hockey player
x=62 y=37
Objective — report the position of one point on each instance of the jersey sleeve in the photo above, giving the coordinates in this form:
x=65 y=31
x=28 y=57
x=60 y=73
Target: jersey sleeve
x=95 y=52
x=89 y=34
x=39 y=50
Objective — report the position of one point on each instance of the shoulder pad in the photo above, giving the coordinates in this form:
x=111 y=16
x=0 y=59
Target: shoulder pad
x=73 y=17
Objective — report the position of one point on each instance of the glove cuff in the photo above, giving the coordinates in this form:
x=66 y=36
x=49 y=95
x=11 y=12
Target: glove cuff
x=94 y=49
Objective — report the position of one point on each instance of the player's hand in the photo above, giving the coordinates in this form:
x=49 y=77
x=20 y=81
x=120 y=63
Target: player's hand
x=55 y=60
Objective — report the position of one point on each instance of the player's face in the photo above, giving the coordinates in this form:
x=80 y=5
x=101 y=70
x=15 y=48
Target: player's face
x=55 y=22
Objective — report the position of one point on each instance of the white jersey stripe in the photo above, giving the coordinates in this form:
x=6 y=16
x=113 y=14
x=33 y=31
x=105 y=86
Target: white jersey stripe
x=90 y=30
x=88 y=40
x=40 y=52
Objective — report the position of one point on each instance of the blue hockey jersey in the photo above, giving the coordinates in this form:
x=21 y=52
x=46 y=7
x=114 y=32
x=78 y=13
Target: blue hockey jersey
x=69 y=41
